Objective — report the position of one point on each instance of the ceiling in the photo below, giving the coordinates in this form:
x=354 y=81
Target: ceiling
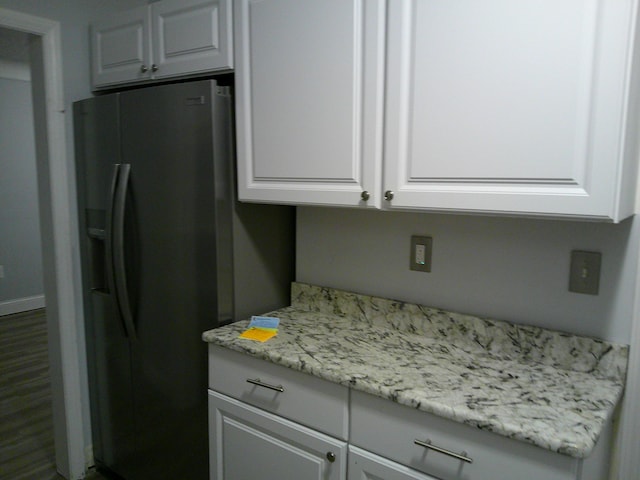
x=14 y=45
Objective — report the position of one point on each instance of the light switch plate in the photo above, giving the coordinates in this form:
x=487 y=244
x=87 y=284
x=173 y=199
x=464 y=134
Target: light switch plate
x=584 y=276
x=420 y=253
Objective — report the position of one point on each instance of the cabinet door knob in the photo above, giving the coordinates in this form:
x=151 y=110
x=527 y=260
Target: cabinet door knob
x=364 y=195
x=144 y=69
x=154 y=68
x=388 y=195
x=331 y=457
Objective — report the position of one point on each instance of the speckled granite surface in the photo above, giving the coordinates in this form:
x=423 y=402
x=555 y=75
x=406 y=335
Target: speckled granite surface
x=547 y=388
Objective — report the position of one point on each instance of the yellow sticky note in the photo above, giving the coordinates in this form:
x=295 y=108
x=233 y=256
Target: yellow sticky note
x=258 y=334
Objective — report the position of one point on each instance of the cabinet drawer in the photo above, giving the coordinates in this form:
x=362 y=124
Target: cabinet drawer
x=305 y=399
x=390 y=430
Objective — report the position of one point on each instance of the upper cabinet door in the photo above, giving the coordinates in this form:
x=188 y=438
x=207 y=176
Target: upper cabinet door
x=191 y=36
x=511 y=107
x=169 y=38
x=120 y=47
x=309 y=93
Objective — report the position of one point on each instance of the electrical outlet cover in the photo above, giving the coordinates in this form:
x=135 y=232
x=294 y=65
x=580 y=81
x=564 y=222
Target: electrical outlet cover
x=584 y=276
x=421 y=245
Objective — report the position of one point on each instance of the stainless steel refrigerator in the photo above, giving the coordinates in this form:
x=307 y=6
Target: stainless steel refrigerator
x=167 y=253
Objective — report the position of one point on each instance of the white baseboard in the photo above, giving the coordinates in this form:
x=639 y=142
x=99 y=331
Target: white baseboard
x=88 y=457
x=12 y=70
x=22 y=305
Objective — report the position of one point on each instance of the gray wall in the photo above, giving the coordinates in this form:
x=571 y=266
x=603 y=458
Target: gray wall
x=504 y=268
x=74 y=17
x=20 y=251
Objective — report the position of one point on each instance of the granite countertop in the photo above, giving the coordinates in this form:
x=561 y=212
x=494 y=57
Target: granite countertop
x=547 y=388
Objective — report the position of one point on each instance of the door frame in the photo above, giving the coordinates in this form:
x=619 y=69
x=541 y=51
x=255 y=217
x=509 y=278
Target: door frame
x=59 y=244
x=629 y=437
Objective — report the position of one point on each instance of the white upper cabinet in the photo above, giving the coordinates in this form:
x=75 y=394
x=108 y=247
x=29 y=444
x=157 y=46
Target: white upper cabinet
x=165 y=39
x=191 y=36
x=309 y=78
x=516 y=107
x=489 y=106
x=120 y=48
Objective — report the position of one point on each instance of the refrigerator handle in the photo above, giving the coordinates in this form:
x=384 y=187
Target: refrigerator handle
x=116 y=273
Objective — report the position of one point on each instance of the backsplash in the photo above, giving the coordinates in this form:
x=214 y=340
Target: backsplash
x=502 y=340
x=511 y=269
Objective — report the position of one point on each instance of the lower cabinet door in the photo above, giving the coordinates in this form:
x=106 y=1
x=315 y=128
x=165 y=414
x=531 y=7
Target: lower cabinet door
x=365 y=465
x=246 y=442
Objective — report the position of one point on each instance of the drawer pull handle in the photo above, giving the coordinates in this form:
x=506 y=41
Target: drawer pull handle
x=256 y=381
x=427 y=444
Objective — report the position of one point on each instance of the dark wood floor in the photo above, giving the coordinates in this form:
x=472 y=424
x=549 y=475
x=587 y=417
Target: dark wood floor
x=91 y=475
x=26 y=422
x=26 y=425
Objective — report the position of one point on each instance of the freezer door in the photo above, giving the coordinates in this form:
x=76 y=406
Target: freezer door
x=168 y=136
x=97 y=149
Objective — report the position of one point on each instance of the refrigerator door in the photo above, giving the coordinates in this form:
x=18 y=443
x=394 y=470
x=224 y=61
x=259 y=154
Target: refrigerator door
x=97 y=138
x=174 y=212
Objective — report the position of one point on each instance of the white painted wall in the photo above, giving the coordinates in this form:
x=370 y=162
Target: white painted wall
x=510 y=269
x=74 y=17
x=20 y=249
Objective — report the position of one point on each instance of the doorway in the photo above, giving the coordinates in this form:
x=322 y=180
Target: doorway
x=56 y=230
x=21 y=286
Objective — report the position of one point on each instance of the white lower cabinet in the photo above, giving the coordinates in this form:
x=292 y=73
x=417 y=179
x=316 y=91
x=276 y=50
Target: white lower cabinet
x=247 y=443
x=449 y=450
x=365 y=465
x=269 y=422
x=272 y=423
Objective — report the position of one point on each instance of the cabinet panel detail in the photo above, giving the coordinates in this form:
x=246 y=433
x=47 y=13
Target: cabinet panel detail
x=120 y=47
x=112 y=45
x=172 y=28
x=364 y=465
x=297 y=126
x=191 y=36
x=249 y=443
x=497 y=100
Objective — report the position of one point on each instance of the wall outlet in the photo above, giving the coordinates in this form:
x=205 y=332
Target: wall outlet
x=420 y=257
x=584 y=276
